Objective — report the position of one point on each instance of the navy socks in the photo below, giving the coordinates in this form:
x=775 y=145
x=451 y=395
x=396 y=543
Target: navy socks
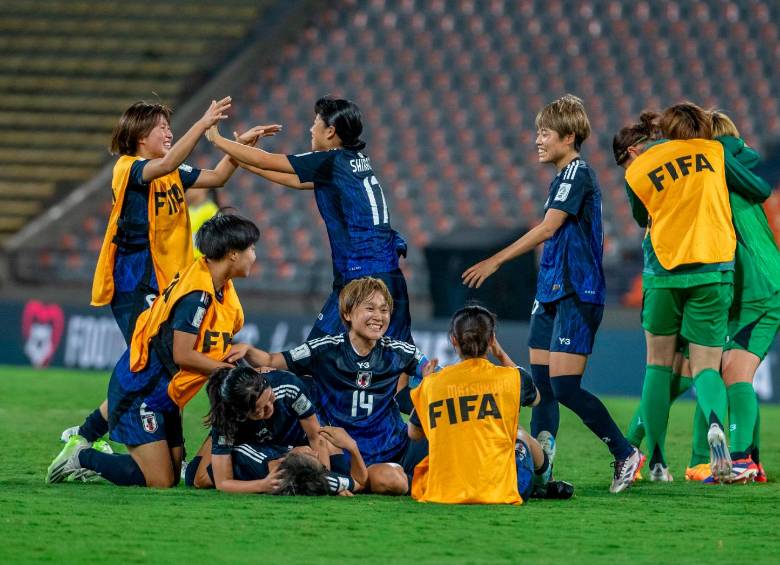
x=94 y=427
x=121 y=470
x=546 y=415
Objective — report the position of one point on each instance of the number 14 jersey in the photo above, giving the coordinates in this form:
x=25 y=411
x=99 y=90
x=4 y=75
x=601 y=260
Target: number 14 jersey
x=357 y=392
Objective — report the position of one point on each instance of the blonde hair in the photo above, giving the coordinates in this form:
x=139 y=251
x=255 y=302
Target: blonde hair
x=686 y=121
x=566 y=116
x=723 y=125
x=358 y=291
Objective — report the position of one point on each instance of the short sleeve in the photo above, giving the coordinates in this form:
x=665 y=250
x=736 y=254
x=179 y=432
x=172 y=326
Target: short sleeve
x=188 y=313
x=137 y=174
x=414 y=419
x=296 y=399
x=316 y=166
x=219 y=444
x=415 y=361
x=575 y=183
x=527 y=388
x=300 y=360
x=188 y=174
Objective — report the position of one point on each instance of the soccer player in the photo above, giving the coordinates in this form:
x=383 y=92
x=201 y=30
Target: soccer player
x=201 y=206
x=255 y=419
x=474 y=406
x=350 y=200
x=680 y=188
x=356 y=374
x=148 y=238
x=175 y=346
x=570 y=290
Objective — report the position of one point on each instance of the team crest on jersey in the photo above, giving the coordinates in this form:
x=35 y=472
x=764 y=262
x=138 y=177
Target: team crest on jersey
x=364 y=379
x=148 y=419
x=563 y=192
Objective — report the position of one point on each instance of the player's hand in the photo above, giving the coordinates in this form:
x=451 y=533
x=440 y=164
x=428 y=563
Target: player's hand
x=251 y=136
x=430 y=367
x=272 y=482
x=216 y=112
x=474 y=276
x=346 y=493
x=496 y=350
x=338 y=437
x=238 y=351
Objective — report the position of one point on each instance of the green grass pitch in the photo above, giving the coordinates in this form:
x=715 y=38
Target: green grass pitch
x=79 y=523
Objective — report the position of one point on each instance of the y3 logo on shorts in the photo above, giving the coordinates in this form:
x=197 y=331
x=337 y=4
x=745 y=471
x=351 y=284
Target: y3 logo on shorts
x=564 y=340
x=148 y=419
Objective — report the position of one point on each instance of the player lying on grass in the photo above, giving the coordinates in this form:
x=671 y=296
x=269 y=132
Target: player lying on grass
x=700 y=313
x=469 y=413
x=176 y=345
x=570 y=291
x=355 y=376
x=148 y=239
x=256 y=419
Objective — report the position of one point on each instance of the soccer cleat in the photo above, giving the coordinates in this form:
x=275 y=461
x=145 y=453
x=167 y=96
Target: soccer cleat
x=761 y=475
x=720 y=459
x=742 y=470
x=698 y=472
x=67 y=462
x=547 y=441
x=625 y=471
x=102 y=446
x=66 y=434
x=558 y=490
x=88 y=475
x=660 y=473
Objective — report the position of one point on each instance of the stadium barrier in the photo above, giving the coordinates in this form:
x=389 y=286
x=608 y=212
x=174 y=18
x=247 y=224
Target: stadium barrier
x=45 y=334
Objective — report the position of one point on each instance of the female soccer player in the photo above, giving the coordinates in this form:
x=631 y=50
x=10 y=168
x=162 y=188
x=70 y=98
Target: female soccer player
x=148 y=239
x=356 y=374
x=679 y=188
x=176 y=344
x=469 y=412
x=350 y=200
x=570 y=292
x=255 y=418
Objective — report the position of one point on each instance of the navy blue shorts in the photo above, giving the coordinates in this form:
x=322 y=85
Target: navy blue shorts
x=136 y=417
x=566 y=325
x=525 y=470
x=329 y=321
x=135 y=288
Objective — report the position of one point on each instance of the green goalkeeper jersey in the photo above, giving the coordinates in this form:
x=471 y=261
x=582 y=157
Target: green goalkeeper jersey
x=757 y=273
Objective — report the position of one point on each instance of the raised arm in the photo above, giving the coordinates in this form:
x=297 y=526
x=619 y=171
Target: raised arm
x=251 y=155
x=176 y=155
x=475 y=275
x=256 y=357
x=289 y=180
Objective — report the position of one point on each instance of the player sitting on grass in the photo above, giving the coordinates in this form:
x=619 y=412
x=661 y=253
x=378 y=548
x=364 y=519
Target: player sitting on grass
x=255 y=418
x=570 y=291
x=176 y=345
x=148 y=239
x=474 y=406
x=356 y=374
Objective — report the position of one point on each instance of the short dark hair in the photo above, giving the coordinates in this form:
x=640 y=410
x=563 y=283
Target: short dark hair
x=302 y=475
x=233 y=393
x=646 y=129
x=224 y=233
x=135 y=124
x=686 y=121
x=472 y=327
x=345 y=116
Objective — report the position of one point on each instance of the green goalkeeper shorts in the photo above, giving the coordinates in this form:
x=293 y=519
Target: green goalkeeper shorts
x=753 y=325
x=698 y=314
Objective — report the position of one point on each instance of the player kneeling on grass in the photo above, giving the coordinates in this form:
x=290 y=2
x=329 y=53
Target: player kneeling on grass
x=475 y=405
x=176 y=344
x=355 y=375
x=255 y=418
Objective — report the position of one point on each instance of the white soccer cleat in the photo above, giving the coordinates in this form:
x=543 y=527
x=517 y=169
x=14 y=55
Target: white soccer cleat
x=720 y=459
x=66 y=434
x=547 y=441
x=625 y=471
x=67 y=462
x=660 y=473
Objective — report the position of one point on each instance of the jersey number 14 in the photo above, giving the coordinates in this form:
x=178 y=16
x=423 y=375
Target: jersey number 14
x=362 y=400
x=376 y=199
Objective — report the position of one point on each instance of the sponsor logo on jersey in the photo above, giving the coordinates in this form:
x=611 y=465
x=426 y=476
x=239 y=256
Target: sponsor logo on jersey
x=364 y=379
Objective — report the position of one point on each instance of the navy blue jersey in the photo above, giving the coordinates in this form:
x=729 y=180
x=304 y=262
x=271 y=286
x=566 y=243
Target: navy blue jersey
x=571 y=259
x=133 y=224
x=292 y=404
x=353 y=206
x=357 y=393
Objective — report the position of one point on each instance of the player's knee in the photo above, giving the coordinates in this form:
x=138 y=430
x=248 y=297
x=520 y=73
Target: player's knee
x=160 y=479
x=565 y=388
x=388 y=478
